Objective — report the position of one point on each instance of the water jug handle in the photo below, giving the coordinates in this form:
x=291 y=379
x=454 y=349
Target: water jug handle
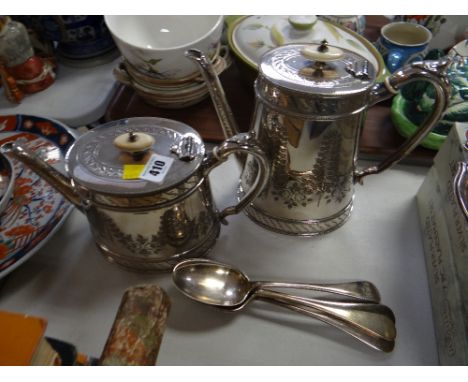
x=245 y=143
x=435 y=72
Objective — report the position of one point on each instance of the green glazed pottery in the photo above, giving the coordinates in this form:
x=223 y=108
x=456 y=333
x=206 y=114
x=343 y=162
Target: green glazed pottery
x=404 y=125
x=416 y=100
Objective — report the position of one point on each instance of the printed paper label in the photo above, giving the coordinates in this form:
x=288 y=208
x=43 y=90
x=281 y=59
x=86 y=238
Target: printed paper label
x=157 y=168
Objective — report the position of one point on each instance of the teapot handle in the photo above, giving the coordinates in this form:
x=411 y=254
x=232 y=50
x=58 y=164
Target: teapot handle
x=243 y=142
x=432 y=71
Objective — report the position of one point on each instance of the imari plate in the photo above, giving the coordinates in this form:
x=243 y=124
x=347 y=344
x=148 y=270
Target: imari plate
x=35 y=210
x=6 y=181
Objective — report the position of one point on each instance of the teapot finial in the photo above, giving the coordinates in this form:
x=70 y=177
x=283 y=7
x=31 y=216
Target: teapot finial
x=132 y=137
x=323 y=46
x=321 y=54
x=134 y=143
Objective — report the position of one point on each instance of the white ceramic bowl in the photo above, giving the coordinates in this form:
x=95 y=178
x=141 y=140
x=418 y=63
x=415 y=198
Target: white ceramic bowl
x=155 y=45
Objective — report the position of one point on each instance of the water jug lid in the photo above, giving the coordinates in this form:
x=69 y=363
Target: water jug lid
x=317 y=69
x=101 y=160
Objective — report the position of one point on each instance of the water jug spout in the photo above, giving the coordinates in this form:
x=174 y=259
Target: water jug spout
x=56 y=179
x=225 y=115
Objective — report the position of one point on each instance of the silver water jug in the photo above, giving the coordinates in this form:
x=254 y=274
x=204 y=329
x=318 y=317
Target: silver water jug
x=311 y=104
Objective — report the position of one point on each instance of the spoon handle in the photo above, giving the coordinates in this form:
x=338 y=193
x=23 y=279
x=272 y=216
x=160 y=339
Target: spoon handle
x=370 y=319
x=375 y=342
x=361 y=290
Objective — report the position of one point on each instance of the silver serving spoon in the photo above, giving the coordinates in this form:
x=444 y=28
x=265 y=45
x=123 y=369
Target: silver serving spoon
x=221 y=285
x=364 y=291
x=373 y=341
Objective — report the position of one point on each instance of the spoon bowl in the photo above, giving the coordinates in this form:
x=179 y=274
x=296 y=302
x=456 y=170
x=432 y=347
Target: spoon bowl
x=212 y=283
x=221 y=284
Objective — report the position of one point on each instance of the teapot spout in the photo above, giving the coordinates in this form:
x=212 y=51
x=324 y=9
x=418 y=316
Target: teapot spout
x=55 y=178
x=225 y=115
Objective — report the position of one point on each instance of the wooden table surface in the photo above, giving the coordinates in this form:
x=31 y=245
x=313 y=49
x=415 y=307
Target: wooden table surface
x=379 y=137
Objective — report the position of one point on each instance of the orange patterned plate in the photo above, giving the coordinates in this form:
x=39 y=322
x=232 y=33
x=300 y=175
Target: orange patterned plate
x=35 y=210
x=6 y=181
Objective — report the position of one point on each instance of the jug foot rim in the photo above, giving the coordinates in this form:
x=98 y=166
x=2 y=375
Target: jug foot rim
x=141 y=264
x=293 y=227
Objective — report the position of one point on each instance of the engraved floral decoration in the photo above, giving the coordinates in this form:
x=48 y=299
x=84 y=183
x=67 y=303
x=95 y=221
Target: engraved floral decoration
x=89 y=154
x=328 y=181
x=293 y=194
x=175 y=230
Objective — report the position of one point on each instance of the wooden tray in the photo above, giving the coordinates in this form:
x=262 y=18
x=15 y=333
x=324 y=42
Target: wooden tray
x=202 y=116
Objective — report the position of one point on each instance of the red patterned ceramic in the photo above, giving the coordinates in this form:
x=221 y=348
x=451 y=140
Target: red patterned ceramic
x=35 y=210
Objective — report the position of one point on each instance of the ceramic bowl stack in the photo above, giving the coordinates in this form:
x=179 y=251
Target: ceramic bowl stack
x=169 y=94
x=154 y=64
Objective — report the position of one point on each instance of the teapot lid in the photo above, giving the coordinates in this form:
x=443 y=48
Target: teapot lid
x=319 y=69
x=99 y=159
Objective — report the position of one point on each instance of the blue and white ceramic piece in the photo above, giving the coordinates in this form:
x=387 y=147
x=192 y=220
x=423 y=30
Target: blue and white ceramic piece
x=78 y=37
x=401 y=43
x=447 y=30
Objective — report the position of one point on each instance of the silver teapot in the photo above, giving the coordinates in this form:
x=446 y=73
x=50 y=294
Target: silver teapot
x=140 y=224
x=311 y=103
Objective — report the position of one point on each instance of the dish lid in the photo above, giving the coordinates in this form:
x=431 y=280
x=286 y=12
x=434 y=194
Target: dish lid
x=317 y=69
x=97 y=159
x=250 y=37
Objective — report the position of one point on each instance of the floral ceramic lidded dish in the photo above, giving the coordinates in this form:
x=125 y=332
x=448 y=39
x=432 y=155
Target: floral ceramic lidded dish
x=251 y=36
